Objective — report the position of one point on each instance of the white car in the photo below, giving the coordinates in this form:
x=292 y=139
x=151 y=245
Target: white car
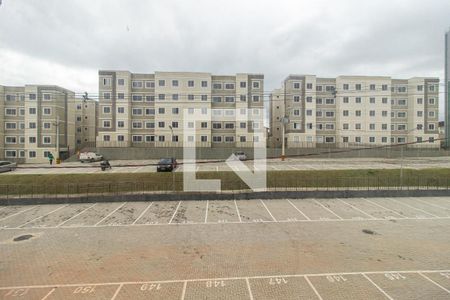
x=90 y=157
x=240 y=155
x=6 y=166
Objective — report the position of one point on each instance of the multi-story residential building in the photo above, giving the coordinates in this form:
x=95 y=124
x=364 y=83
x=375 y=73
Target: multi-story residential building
x=86 y=111
x=152 y=110
x=30 y=117
x=354 y=110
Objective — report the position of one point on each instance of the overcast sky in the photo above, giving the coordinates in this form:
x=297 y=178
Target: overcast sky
x=67 y=42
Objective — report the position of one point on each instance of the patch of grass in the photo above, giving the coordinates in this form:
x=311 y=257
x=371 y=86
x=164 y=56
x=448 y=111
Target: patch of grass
x=121 y=182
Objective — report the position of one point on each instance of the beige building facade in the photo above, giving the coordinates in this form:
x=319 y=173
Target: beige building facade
x=355 y=110
x=156 y=110
x=30 y=118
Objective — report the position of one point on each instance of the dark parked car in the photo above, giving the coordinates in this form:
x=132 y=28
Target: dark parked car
x=6 y=166
x=166 y=164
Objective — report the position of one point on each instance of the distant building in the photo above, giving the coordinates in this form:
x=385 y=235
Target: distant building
x=146 y=110
x=29 y=118
x=355 y=110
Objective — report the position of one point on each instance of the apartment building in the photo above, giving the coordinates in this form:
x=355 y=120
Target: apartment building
x=154 y=110
x=355 y=110
x=31 y=117
x=86 y=114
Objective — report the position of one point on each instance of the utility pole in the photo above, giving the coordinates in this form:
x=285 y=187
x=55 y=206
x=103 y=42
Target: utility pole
x=58 y=160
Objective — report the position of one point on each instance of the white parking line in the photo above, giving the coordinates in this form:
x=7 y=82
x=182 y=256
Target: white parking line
x=376 y=285
x=268 y=210
x=173 y=216
x=78 y=214
x=117 y=291
x=385 y=208
x=249 y=288
x=412 y=207
x=110 y=214
x=223 y=278
x=313 y=288
x=434 y=282
x=183 y=293
x=432 y=204
x=206 y=213
x=328 y=209
x=307 y=218
x=48 y=294
x=237 y=210
x=145 y=210
x=354 y=207
x=18 y=213
x=42 y=216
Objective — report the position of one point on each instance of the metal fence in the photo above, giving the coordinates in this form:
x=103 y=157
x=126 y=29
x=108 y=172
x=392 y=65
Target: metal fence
x=371 y=183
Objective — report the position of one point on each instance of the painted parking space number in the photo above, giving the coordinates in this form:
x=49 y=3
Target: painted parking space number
x=277 y=281
x=150 y=287
x=215 y=283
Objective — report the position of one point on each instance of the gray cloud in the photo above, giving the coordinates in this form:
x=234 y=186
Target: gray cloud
x=66 y=42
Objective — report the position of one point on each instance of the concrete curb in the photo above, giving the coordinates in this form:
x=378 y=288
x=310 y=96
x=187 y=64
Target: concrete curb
x=227 y=196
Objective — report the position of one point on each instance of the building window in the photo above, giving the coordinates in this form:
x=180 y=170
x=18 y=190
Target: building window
x=106 y=81
x=46 y=97
x=120 y=138
x=204 y=98
x=431 y=126
x=161 y=124
x=309 y=99
x=10 y=125
x=345 y=113
x=10 y=153
x=106 y=124
x=161 y=82
x=372 y=87
x=229 y=139
x=345 y=87
x=217 y=99
x=217 y=125
x=345 y=100
x=255 y=98
x=120 y=124
x=372 y=113
x=46 y=111
x=150 y=98
x=371 y=139
x=358 y=113
x=150 y=84
x=161 y=138
x=32 y=110
x=372 y=126
x=243 y=84
x=149 y=125
x=10 y=111
x=175 y=83
x=204 y=124
x=149 y=138
x=372 y=100
x=309 y=86
x=358 y=87
x=161 y=110
x=190 y=83
x=358 y=100
x=402 y=102
x=32 y=140
x=329 y=101
x=204 y=83
x=106 y=109
x=106 y=96
x=137 y=138
x=32 y=154
x=10 y=139
x=229 y=99
x=137 y=111
x=256 y=84
x=297 y=85
x=137 y=84
x=120 y=96
x=175 y=110
x=47 y=125
x=217 y=139
x=121 y=110
x=46 y=140
x=384 y=87
x=431 y=101
x=149 y=111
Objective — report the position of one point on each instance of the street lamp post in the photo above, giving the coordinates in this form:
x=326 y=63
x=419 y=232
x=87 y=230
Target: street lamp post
x=401 y=156
x=57 y=139
x=173 y=171
x=284 y=121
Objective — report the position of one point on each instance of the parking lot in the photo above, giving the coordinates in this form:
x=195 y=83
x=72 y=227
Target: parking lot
x=290 y=164
x=359 y=248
